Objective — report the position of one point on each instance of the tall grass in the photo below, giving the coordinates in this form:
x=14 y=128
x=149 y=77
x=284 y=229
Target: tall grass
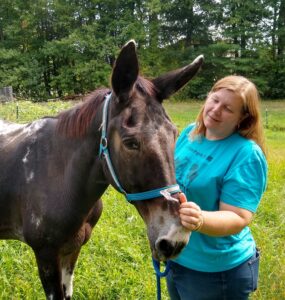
x=116 y=262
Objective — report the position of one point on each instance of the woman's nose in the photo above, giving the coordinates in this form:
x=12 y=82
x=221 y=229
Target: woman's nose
x=217 y=108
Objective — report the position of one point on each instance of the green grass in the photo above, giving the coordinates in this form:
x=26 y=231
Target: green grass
x=26 y=111
x=116 y=262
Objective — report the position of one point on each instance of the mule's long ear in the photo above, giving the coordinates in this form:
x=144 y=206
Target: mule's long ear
x=171 y=82
x=125 y=71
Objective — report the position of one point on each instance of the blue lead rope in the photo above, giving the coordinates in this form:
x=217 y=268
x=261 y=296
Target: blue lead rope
x=159 y=275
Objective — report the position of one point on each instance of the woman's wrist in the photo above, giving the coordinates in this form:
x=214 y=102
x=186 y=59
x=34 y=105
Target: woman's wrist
x=200 y=224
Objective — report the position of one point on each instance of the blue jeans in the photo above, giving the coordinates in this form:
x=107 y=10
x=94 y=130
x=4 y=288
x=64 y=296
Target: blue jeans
x=234 y=284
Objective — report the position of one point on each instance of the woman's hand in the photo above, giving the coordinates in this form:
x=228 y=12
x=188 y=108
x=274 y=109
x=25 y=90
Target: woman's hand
x=190 y=214
x=226 y=221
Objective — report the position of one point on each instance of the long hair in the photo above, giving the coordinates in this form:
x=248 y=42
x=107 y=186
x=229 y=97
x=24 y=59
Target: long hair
x=251 y=126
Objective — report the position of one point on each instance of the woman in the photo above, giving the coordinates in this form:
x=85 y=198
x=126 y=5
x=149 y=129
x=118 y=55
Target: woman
x=221 y=168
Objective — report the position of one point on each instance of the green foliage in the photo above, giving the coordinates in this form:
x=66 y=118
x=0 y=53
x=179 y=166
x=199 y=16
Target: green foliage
x=53 y=48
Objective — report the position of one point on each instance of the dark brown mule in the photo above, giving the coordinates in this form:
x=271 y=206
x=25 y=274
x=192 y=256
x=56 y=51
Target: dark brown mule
x=52 y=176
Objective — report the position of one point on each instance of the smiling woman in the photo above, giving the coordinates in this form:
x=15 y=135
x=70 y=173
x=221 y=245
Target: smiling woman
x=239 y=99
x=221 y=168
x=222 y=114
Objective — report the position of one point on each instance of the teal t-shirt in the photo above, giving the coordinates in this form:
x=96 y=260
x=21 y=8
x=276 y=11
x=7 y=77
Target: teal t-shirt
x=232 y=170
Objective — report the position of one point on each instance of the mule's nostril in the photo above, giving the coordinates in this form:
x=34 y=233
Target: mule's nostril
x=165 y=247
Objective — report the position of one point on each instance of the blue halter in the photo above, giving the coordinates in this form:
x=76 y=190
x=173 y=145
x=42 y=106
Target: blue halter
x=103 y=151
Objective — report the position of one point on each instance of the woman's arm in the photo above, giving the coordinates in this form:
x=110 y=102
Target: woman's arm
x=227 y=220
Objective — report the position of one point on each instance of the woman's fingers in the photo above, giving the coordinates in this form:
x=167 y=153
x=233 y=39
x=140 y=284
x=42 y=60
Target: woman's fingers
x=190 y=205
x=190 y=211
x=191 y=216
x=182 y=198
x=190 y=223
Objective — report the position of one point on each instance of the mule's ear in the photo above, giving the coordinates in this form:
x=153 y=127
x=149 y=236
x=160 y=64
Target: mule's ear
x=125 y=71
x=171 y=82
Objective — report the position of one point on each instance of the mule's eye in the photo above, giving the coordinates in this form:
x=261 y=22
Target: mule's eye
x=131 y=144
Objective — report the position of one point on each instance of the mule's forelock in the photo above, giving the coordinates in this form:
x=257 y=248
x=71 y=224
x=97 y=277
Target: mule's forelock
x=145 y=86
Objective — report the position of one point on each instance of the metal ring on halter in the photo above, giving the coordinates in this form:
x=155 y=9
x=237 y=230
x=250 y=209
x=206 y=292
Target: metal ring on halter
x=104 y=142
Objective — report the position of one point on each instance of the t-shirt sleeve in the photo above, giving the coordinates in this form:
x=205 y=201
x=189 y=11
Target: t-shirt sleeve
x=246 y=179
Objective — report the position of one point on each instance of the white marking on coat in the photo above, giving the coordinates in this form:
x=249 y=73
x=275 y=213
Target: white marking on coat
x=25 y=158
x=36 y=220
x=7 y=132
x=6 y=127
x=67 y=281
x=11 y=132
x=30 y=177
x=34 y=127
x=28 y=173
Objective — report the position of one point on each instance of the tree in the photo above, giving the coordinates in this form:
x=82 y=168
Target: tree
x=52 y=48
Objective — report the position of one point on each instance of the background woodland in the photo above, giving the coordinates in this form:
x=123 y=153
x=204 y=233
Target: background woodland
x=60 y=48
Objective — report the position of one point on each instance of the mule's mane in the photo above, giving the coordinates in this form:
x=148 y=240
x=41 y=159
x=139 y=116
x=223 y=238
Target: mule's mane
x=76 y=121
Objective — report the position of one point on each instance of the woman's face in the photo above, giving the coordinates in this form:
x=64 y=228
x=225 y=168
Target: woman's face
x=222 y=114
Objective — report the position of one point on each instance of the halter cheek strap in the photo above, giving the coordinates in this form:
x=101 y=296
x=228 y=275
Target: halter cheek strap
x=103 y=152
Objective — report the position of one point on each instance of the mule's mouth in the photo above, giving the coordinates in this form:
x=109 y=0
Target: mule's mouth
x=165 y=249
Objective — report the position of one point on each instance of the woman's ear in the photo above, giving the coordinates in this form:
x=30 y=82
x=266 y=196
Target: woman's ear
x=245 y=116
x=242 y=119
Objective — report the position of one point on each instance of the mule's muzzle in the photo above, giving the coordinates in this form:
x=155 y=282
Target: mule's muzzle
x=166 y=249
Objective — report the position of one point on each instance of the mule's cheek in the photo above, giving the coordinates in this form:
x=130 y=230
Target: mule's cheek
x=116 y=142
x=143 y=210
x=152 y=235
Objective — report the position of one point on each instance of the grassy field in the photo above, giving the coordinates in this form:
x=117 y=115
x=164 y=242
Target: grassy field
x=116 y=263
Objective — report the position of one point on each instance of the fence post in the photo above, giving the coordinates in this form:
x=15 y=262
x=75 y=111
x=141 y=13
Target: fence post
x=17 y=111
x=6 y=94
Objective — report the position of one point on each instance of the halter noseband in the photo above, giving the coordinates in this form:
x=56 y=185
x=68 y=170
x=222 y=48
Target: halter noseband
x=103 y=151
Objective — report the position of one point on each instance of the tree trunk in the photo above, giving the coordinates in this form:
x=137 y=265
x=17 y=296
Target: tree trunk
x=281 y=29
x=189 y=29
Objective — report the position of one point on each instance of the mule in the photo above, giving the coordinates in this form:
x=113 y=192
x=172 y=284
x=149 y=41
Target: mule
x=53 y=173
